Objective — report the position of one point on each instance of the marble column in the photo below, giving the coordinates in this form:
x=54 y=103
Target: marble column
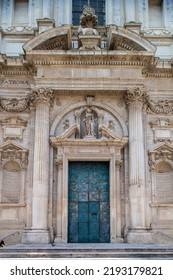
x=130 y=11
x=135 y=99
x=39 y=232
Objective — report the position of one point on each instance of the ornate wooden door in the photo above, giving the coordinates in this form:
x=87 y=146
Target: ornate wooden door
x=88 y=202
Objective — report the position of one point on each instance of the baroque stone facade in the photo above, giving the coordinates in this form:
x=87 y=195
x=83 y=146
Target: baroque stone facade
x=87 y=94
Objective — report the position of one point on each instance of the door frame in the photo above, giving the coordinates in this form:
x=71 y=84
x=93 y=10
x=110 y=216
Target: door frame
x=82 y=150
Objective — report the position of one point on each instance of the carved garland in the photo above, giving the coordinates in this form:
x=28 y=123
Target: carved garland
x=160 y=107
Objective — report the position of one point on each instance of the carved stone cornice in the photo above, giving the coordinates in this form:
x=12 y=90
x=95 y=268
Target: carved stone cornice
x=14 y=104
x=42 y=95
x=136 y=95
x=160 y=107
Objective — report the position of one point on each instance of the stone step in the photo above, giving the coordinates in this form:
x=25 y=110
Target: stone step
x=88 y=251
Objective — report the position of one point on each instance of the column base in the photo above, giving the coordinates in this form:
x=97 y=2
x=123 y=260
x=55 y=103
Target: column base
x=140 y=236
x=36 y=236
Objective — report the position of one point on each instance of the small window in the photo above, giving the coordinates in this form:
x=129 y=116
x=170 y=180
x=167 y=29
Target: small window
x=77 y=9
x=155 y=13
x=20 y=15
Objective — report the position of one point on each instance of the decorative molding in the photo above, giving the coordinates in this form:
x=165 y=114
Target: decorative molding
x=56 y=43
x=13 y=152
x=139 y=59
x=163 y=152
x=13 y=128
x=160 y=107
x=42 y=95
x=136 y=95
x=162 y=129
x=20 y=29
x=157 y=32
x=15 y=104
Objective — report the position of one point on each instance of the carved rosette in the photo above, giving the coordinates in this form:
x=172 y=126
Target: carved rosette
x=42 y=95
x=136 y=95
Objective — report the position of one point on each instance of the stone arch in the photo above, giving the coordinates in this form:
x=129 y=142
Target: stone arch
x=66 y=109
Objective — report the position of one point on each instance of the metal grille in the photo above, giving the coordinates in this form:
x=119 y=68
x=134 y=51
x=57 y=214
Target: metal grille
x=77 y=9
x=88 y=207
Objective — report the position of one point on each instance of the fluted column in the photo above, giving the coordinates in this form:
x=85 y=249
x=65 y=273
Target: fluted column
x=39 y=232
x=135 y=99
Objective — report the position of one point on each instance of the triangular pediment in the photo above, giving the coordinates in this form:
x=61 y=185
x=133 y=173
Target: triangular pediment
x=54 y=39
x=120 y=38
x=12 y=147
x=162 y=148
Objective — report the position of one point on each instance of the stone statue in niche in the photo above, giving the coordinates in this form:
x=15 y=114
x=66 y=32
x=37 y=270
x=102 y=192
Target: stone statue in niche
x=90 y=124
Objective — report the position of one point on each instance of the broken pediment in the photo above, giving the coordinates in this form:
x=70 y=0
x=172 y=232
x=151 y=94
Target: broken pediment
x=107 y=133
x=120 y=38
x=69 y=132
x=54 y=39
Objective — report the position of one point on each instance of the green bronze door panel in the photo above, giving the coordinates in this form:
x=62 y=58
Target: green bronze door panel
x=88 y=202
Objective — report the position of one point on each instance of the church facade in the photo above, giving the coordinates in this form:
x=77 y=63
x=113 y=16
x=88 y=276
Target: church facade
x=86 y=121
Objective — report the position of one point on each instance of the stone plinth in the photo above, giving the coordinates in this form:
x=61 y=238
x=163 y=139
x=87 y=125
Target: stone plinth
x=89 y=42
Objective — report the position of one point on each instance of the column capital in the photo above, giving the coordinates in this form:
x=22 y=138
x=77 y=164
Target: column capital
x=137 y=95
x=42 y=95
